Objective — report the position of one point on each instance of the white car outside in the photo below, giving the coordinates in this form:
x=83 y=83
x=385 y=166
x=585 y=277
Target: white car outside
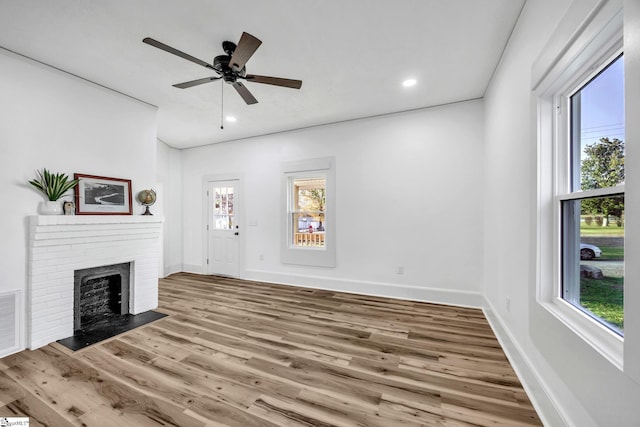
x=589 y=251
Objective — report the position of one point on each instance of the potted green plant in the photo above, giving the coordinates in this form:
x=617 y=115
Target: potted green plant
x=53 y=186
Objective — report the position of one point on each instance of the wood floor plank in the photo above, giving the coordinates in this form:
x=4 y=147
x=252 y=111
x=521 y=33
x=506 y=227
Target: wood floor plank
x=227 y=415
x=147 y=341
x=477 y=411
x=9 y=390
x=244 y=353
x=239 y=374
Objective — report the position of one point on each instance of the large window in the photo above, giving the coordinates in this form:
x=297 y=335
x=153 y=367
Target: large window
x=309 y=211
x=592 y=197
x=586 y=223
x=582 y=205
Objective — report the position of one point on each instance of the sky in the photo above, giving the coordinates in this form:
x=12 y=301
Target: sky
x=603 y=105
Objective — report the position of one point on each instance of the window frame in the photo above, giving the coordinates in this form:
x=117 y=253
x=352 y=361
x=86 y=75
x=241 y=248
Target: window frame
x=574 y=67
x=568 y=189
x=322 y=256
x=292 y=211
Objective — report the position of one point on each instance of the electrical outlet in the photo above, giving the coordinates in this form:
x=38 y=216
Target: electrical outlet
x=400 y=269
x=261 y=257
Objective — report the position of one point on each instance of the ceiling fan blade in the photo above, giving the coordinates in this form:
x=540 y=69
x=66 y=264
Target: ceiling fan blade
x=195 y=82
x=277 y=81
x=166 y=48
x=244 y=93
x=247 y=46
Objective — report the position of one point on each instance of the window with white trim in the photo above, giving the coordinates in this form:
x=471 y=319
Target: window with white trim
x=591 y=196
x=581 y=184
x=308 y=236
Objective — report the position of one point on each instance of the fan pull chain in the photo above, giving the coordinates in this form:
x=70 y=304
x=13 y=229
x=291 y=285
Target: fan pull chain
x=222 y=104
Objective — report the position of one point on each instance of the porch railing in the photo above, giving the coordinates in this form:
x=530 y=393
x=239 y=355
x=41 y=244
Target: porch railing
x=309 y=239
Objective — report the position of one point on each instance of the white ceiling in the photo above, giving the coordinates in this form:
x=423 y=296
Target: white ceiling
x=352 y=55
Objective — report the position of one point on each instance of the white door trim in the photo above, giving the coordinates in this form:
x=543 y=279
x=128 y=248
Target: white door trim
x=206 y=179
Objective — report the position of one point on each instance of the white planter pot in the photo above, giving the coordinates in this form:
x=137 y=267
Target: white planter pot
x=50 y=208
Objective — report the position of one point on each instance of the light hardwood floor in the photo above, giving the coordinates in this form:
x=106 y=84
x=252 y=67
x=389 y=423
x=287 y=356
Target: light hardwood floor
x=242 y=353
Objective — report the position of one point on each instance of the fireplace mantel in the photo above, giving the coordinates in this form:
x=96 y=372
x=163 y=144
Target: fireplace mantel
x=61 y=244
x=46 y=220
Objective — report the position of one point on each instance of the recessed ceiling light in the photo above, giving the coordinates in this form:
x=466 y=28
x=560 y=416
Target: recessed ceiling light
x=409 y=82
x=231 y=119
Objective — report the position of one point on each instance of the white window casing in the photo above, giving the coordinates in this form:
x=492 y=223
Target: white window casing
x=578 y=53
x=323 y=256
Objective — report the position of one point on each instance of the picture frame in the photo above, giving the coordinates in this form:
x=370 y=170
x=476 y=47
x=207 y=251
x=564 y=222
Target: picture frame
x=101 y=195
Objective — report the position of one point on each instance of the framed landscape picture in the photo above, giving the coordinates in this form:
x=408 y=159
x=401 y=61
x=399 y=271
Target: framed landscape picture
x=100 y=195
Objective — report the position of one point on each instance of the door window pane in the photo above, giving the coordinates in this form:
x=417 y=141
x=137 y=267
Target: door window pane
x=223 y=208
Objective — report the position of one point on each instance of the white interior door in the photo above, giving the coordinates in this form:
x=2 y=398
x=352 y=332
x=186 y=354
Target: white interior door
x=223 y=228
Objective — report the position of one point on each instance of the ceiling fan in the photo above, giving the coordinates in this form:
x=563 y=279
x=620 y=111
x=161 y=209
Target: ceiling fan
x=230 y=67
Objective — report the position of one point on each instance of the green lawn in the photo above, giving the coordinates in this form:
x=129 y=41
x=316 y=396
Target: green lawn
x=612 y=253
x=594 y=230
x=604 y=298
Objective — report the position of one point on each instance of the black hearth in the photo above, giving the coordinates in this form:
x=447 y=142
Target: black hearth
x=101 y=306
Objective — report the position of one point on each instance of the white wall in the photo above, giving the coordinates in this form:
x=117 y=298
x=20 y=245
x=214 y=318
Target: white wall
x=169 y=204
x=570 y=382
x=54 y=120
x=409 y=194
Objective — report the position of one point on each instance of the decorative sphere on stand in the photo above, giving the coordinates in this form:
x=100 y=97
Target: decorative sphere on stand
x=146 y=199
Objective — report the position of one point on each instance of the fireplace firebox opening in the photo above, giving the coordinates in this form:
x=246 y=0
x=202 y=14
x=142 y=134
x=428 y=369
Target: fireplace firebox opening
x=100 y=295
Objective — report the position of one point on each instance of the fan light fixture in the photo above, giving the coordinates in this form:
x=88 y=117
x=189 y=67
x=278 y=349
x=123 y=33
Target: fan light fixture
x=231 y=119
x=409 y=82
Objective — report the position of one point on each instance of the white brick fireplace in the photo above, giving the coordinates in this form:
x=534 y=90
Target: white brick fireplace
x=59 y=245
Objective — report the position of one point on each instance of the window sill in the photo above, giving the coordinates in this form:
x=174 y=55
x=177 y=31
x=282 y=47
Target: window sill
x=607 y=343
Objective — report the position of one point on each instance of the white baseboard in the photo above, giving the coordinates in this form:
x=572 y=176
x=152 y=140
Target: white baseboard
x=171 y=269
x=389 y=290
x=538 y=391
x=195 y=269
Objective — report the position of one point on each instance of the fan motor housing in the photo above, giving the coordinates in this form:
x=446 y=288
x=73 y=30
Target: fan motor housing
x=221 y=65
